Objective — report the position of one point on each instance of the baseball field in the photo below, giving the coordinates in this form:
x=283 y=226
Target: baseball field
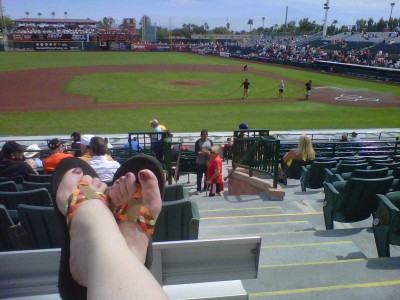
x=47 y=93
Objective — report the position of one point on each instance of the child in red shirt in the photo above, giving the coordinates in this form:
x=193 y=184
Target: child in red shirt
x=214 y=172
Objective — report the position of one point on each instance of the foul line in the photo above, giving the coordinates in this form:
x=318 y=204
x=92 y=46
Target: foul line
x=327 y=288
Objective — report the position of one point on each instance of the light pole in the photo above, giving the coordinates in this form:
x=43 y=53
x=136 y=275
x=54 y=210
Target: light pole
x=263 y=19
x=391 y=9
x=326 y=7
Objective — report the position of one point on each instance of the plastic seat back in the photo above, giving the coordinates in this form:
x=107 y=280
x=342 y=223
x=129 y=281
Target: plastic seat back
x=294 y=170
x=378 y=173
x=42 y=224
x=16 y=179
x=28 y=186
x=316 y=174
x=173 y=192
x=344 y=168
x=38 y=197
x=40 y=177
x=359 y=196
x=177 y=221
x=391 y=166
x=8 y=186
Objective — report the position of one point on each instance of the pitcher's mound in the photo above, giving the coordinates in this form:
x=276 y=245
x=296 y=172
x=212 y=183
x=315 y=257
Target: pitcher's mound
x=190 y=82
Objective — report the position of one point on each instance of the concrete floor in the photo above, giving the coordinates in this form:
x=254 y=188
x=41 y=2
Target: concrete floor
x=299 y=258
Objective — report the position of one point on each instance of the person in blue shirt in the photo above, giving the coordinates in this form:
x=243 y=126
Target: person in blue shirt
x=136 y=147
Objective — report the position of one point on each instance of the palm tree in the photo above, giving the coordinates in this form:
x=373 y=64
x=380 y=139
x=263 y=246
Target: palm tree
x=65 y=14
x=27 y=14
x=263 y=19
x=206 y=27
x=53 y=14
x=250 y=22
x=39 y=14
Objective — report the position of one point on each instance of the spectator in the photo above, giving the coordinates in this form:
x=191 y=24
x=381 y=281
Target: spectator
x=214 y=173
x=76 y=138
x=304 y=151
x=33 y=157
x=354 y=137
x=12 y=164
x=83 y=146
x=227 y=149
x=56 y=155
x=344 y=138
x=136 y=147
x=202 y=150
x=156 y=139
x=104 y=167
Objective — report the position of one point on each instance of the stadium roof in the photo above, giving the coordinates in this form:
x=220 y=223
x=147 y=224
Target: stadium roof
x=55 y=21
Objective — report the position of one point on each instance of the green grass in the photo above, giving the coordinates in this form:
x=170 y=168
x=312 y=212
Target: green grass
x=156 y=87
x=143 y=87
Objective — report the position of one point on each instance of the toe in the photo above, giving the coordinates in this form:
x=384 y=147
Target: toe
x=150 y=191
x=67 y=185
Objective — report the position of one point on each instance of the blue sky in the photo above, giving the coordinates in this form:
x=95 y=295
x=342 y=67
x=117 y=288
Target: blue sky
x=214 y=12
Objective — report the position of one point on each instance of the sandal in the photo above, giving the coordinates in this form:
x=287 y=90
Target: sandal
x=67 y=286
x=134 y=211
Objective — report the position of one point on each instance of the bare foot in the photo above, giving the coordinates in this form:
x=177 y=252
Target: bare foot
x=121 y=192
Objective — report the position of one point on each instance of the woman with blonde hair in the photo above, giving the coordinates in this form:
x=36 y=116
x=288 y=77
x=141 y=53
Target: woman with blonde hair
x=304 y=151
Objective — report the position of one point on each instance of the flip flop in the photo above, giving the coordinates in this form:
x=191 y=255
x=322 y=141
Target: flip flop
x=134 y=165
x=67 y=286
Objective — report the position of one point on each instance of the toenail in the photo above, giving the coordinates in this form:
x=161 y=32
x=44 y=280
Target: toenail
x=77 y=171
x=128 y=175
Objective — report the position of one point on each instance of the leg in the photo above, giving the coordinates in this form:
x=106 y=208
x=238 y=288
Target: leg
x=199 y=173
x=98 y=248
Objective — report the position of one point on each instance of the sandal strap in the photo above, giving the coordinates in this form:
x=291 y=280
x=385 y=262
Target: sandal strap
x=134 y=211
x=78 y=197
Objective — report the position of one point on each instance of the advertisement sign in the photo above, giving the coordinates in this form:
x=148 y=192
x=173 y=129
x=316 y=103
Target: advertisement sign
x=50 y=46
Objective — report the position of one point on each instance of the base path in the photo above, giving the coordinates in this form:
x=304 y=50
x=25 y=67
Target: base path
x=43 y=89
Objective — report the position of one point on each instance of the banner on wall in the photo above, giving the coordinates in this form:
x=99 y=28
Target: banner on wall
x=50 y=46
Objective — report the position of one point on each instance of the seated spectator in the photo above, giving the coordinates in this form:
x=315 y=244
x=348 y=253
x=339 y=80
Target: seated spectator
x=12 y=163
x=33 y=157
x=84 y=147
x=136 y=147
x=304 y=151
x=76 y=138
x=57 y=154
x=344 y=138
x=354 y=137
x=103 y=166
x=227 y=149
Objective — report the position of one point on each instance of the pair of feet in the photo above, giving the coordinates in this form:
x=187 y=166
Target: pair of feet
x=92 y=215
x=218 y=194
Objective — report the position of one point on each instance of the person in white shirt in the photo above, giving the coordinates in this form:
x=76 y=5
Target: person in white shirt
x=104 y=167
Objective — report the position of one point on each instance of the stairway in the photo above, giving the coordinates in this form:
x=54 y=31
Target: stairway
x=299 y=258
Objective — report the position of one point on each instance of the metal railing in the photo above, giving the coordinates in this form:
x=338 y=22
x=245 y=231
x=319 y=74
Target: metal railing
x=259 y=153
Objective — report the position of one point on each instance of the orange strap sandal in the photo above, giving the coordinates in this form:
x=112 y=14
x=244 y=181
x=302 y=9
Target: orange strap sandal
x=78 y=197
x=134 y=211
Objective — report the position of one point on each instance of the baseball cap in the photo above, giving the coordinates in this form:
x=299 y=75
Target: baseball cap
x=243 y=126
x=154 y=121
x=32 y=153
x=85 y=139
x=11 y=147
x=54 y=143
